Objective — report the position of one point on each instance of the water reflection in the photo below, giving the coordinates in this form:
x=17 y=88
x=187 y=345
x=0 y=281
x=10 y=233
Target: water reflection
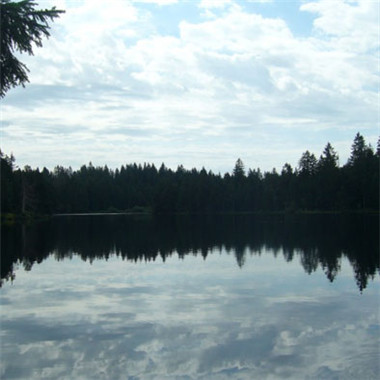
x=317 y=240
x=248 y=311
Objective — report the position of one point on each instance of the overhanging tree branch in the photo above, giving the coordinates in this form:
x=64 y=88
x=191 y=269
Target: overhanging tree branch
x=21 y=26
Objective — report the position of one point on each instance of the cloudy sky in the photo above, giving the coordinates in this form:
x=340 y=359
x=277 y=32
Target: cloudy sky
x=198 y=83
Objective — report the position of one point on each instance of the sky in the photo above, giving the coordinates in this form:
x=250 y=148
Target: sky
x=197 y=83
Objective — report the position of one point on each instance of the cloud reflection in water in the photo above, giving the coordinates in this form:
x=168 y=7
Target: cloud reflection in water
x=187 y=319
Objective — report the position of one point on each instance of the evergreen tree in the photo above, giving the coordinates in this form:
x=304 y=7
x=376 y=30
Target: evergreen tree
x=362 y=175
x=307 y=163
x=321 y=185
x=328 y=179
x=306 y=182
x=8 y=186
x=329 y=159
x=21 y=27
x=287 y=188
x=239 y=170
x=358 y=149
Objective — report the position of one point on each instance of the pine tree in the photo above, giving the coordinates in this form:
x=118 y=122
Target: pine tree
x=358 y=149
x=328 y=179
x=21 y=27
x=239 y=170
x=329 y=159
x=307 y=163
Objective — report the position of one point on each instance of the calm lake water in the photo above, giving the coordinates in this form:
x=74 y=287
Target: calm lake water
x=237 y=297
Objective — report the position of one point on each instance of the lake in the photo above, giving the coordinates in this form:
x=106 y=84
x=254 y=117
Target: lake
x=222 y=297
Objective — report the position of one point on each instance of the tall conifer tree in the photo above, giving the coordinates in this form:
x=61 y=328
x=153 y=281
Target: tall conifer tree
x=21 y=26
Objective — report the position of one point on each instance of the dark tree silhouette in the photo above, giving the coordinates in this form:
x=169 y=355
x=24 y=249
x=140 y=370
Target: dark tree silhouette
x=316 y=185
x=362 y=175
x=328 y=179
x=329 y=159
x=21 y=27
x=7 y=190
x=358 y=149
x=239 y=170
x=308 y=163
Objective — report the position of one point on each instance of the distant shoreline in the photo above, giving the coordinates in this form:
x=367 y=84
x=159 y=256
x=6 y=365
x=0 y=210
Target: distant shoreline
x=10 y=218
x=296 y=212
x=102 y=213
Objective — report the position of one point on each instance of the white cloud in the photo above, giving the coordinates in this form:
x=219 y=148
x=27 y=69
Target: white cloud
x=231 y=81
x=351 y=25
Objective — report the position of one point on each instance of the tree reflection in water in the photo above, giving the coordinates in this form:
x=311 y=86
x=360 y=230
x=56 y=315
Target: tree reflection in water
x=318 y=240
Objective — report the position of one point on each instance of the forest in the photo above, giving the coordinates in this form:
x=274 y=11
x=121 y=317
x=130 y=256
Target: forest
x=317 y=184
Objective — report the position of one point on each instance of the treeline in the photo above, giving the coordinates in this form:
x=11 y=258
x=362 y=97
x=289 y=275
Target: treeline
x=315 y=185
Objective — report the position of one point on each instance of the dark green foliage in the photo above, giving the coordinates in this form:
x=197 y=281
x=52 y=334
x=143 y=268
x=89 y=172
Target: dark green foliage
x=21 y=27
x=314 y=186
x=8 y=199
x=239 y=171
x=358 y=150
x=362 y=175
x=328 y=180
x=307 y=164
x=329 y=159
